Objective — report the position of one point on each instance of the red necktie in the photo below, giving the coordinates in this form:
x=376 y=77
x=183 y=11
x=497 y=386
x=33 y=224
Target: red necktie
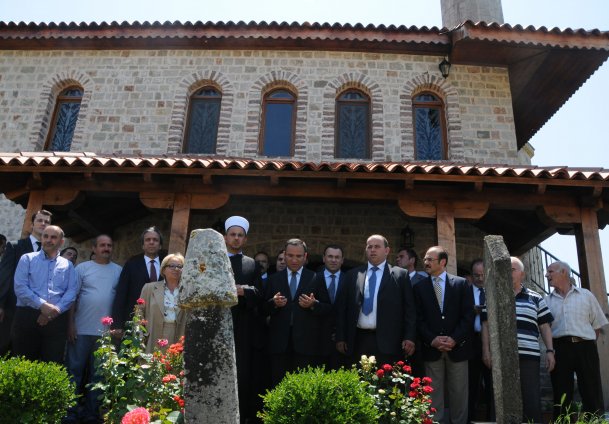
x=153 y=276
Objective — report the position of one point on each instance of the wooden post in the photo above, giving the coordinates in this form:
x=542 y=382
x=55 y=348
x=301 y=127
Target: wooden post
x=34 y=204
x=445 y=222
x=179 y=223
x=593 y=278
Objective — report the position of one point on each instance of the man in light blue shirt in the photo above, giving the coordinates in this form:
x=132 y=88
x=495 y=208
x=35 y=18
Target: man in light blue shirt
x=45 y=287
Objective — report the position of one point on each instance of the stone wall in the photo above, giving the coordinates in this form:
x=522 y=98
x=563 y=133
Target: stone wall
x=135 y=102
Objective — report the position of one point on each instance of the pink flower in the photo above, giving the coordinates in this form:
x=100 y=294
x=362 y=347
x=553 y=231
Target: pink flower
x=141 y=301
x=162 y=342
x=168 y=378
x=136 y=416
x=107 y=321
x=427 y=389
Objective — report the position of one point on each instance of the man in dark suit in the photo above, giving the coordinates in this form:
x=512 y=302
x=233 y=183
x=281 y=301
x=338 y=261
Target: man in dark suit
x=137 y=271
x=376 y=309
x=295 y=302
x=248 y=325
x=408 y=259
x=40 y=220
x=479 y=374
x=333 y=283
x=445 y=320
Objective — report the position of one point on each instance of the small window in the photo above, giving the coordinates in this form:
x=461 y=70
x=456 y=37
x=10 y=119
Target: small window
x=353 y=125
x=203 y=120
x=430 y=127
x=64 y=120
x=278 y=119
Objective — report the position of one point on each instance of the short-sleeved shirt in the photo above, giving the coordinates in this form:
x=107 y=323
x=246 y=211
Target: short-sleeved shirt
x=97 y=289
x=577 y=314
x=531 y=312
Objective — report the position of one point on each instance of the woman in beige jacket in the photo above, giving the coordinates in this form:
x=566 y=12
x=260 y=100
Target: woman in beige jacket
x=165 y=318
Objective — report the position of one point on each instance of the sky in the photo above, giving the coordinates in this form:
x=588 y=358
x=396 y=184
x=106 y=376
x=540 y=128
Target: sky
x=576 y=136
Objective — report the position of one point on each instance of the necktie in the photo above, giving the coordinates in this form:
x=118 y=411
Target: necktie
x=293 y=284
x=369 y=301
x=38 y=245
x=437 y=287
x=153 y=276
x=332 y=288
x=482 y=298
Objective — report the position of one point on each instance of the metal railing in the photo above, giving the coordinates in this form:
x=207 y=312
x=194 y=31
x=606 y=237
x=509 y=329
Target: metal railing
x=540 y=259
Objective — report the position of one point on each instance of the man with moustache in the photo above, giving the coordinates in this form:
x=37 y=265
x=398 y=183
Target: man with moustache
x=376 y=313
x=137 y=271
x=45 y=287
x=248 y=325
x=97 y=280
x=295 y=302
x=8 y=264
x=445 y=320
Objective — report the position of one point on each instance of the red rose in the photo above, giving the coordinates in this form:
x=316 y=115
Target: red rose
x=433 y=410
x=380 y=373
x=141 y=301
x=427 y=421
x=387 y=368
x=407 y=369
x=427 y=389
x=426 y=380
x=412 y=394
x=414 y=385
x=107 y=321
x=400 y=363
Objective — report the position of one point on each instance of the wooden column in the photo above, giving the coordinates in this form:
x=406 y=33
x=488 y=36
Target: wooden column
x=445 y=223
x=179 y=223
x=34 y=204
x=593 y=278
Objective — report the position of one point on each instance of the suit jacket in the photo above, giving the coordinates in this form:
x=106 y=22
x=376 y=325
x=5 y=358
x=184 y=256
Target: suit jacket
x=248 y=323
x=306 y=323
x=130 y=283
x=456 y=321
x=154 y=310
x=417 y=278
x=8 y=265
x=328 y=313
x=395 y=315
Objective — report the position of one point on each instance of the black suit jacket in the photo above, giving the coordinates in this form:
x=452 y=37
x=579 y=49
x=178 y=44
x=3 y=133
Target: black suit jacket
x=395 y=316
x=306 y=323
x=327 y=333
x=130 y=283
x=417 y=278
x=456 y=321
x=248 y=324
x=8 y=265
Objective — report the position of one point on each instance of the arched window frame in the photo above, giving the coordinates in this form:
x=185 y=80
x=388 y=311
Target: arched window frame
x=267 y=100
x=64 y=98
x=341 y=102
x=436 y=104
x=197 y=97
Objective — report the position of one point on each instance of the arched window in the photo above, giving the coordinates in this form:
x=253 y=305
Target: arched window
x=64 y=120
x=278 y=122
x=202 y=122
x=430 y=127
x=353 y=125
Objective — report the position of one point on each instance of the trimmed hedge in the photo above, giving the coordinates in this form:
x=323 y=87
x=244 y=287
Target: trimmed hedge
x=34 y=392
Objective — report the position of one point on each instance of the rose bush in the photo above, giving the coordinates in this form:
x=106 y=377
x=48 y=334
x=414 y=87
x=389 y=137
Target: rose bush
x=132 y=379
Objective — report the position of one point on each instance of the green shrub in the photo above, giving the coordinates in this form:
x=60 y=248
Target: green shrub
x=314 y=396
x=34 y=392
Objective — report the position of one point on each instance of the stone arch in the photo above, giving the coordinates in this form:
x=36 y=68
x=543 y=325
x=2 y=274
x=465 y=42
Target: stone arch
x=46 y=104
x=361 y=82
x=449 y=95
x=186 y=88
x=264 y=84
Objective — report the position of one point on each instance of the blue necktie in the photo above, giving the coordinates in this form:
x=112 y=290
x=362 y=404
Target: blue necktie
x=332 y=288
x=369 y=301
x=293 y=284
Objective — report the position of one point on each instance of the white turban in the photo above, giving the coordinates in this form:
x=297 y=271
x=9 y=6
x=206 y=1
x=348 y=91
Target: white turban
x=238 y=221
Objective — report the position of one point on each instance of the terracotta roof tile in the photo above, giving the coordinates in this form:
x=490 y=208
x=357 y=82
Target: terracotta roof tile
x=19 y=162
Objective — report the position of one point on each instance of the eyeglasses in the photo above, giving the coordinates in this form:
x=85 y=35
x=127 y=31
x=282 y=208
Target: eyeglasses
x=429 y=259
x=175 y=267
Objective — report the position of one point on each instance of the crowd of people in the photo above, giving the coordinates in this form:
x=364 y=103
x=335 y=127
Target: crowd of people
x=293 y=317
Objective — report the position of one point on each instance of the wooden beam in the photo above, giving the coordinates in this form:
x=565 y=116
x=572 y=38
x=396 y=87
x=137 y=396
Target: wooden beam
x=468 y=209
x=179 y=223
x=209 y=201
x=417 y=209
x=554 y=215
x=445 y=223
x=59 y=196
x=157 y=200
x=34 y=204
x=593 y=278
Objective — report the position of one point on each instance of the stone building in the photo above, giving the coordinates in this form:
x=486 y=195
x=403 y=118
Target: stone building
x=326 y=132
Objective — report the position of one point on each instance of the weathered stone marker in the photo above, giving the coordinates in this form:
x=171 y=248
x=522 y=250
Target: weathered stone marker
x=501 y=312
x=208 y=292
